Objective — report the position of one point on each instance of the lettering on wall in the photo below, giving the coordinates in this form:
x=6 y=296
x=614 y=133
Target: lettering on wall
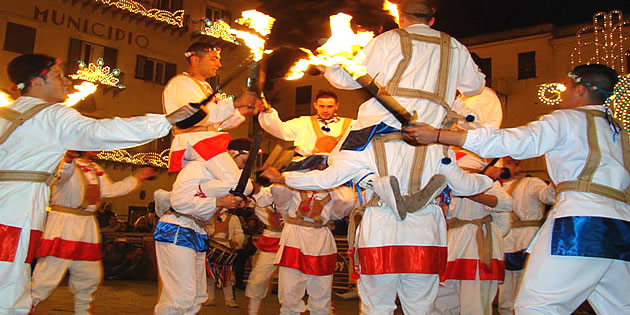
x=84 y=25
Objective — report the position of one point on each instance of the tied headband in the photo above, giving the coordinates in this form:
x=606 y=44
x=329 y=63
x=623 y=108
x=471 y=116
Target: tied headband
x=577 y=79
x=21 y=85
x=196 y=52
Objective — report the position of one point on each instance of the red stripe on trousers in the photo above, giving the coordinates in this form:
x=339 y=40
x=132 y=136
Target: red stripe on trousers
x=311 y=265
x=33 y=243
x=466 y=269
x=206 y=148
x=268 y=244
x=402 y=259
x=73 y=250
x=9 y=240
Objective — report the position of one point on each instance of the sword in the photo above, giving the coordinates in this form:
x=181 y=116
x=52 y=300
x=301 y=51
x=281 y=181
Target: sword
x=239 y=190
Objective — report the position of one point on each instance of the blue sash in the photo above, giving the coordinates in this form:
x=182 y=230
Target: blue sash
x=591 y=237
x=515 y=261
x=357 y=140
x=168 y=233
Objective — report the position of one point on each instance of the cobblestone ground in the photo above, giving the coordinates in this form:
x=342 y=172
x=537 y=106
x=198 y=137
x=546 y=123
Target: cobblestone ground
x=139 y=297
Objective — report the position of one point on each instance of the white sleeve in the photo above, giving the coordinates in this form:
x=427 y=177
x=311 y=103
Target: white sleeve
x=264 y=197
x=65 y=171
x=346 y=165
x=188 y=197
x=236 y=232
x=226 y=172
x=471 y=81
x=339 y=78
x=545 y=193
x=111 y=189
x=463 y=183
x=504 y=200
x=344 y=199
x=76 y=132
x=272 y=124
x=531 y=140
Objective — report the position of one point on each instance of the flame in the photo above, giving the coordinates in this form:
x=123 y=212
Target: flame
x=343 y=47
x=5 y=99
x=392 y=9
x=258 y=21
x=256 y=44
x=83 y=90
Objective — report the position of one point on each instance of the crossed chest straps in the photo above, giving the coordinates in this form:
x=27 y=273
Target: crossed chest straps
x=91 y=193
x=584 y=182
x=439 y=95
x=310 y=207
x=320 y=145
x=16 y=119
x=222 y=226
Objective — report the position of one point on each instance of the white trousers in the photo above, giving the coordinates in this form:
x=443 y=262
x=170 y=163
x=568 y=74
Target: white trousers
x=472 y=297
x=85 y=276
x=183 y=275
x=259 y=278
x=416 y=292
x=508 y=290
x=559 y=284
x=291 y=287
x=15 y=278
x=228 y=293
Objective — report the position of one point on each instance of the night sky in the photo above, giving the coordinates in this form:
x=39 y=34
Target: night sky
x=304 y=23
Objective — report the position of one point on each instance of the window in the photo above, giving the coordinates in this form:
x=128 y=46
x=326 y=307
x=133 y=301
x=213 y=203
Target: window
x=486 y=68
x=169 y=5
x=527 y=65
x=19 y=38
x=214 y=14
x=89 y=52
x=153 y=70
x=303 y=96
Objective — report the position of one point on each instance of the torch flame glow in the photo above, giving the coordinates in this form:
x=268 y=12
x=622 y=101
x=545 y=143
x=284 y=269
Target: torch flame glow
x=392 y=9
x=255 y=43
x=5 y=99
x=258 y=21
x=83 y=90
x=343 y=47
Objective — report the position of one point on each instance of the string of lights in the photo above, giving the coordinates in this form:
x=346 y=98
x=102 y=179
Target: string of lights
x=550 y=93
x=218 y=29
x=174 y=18
x=619 y=102
x=144 y=158
x=98 y=73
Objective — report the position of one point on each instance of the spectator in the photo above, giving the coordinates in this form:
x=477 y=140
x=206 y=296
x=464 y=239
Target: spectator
x=141 y=226
x=133 y=267
x=111 y=258
x=112 y=225
x=104 y=213
x=125 y=227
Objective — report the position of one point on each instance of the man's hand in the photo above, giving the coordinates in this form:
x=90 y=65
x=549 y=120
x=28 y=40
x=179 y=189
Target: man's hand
x=273 y=175
x=230 y=202
x=246 y=103
x=181 y=114
x=144 y=173
x=421 y=134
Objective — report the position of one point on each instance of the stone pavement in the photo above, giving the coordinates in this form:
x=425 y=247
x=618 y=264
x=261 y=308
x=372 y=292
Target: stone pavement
x=139 y=297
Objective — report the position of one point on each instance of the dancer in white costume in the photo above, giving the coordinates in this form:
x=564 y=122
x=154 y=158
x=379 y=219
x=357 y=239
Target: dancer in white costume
x=35 y=132
x=203 y=139
x=529 y=195
x=270 y=211
x=72 y=240
x=475 y=265
x=573 y=256
x=310 y=134
x=398 y=257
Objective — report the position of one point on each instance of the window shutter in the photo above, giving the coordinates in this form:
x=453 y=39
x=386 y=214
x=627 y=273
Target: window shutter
x=140 y=67
x=74 y=55
x=171 y=71
x=110 y=57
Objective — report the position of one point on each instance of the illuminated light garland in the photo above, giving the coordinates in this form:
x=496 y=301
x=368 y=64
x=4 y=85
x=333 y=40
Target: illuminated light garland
x=343 y=47
x=218 y=29
x=608 y=42
x=619 y=102
x=224 y=96
x=98 y=73
x=144 y=158
x=174 y=18
x=392 y=9
x=257 y=21
x=550 y=93
x=5 y=99
x=83 y=90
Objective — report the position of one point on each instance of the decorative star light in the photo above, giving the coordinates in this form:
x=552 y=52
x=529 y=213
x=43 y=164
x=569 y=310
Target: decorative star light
x=144 y=158
x=174 y=18
x=98 y=73
x=550 y=93
x=218 y=29
x=603 y=41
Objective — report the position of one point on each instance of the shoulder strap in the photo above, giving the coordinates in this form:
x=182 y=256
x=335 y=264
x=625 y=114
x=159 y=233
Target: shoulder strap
x=512 y=187
x=17 y=119
x=316 y=129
